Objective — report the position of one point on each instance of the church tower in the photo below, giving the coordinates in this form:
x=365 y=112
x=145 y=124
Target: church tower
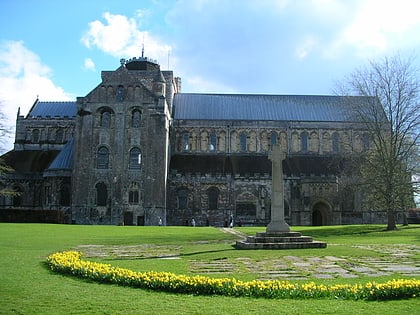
x=121 y=148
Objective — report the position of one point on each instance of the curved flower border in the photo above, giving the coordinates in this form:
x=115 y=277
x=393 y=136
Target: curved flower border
x=70 y=262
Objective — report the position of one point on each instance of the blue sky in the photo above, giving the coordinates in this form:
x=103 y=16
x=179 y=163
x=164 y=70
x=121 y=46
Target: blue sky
x=57 y=49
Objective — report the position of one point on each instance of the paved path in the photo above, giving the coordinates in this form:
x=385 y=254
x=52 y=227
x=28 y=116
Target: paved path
x=400 y=259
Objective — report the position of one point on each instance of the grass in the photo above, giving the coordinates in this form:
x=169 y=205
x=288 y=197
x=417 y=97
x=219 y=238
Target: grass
x=28 y=287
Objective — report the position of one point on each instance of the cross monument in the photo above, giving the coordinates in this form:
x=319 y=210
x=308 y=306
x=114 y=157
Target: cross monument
x=277 y=223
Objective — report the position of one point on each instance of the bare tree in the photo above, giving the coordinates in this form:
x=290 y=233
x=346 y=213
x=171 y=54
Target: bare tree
x=4 y=133
x=5 y=130
x=392 y=120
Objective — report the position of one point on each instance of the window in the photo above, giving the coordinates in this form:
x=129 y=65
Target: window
x=213 y=139
x=47 y=195
x=366 y=141
x=120 y=93
x=185 y=142
x=335 y=142
x=136 y=118
x=213 y=195
x=273 y=139
x=135 y=158
x=65 y=195
x=182 y=197
x=17 y=199
x=304 y=142
x=133 y=193
x=243 y=141
x=102 y=160
x=35 y=136
x=133 y=197
x=106 y=119
x=59 y=135
x=101 y=194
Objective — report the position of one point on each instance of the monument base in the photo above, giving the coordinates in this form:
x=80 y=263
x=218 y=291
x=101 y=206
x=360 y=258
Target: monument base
x=279 y=240
x=278 y=227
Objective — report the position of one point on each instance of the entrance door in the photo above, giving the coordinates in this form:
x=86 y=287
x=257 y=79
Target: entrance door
x=128 y=218
x=140 y=220
x=246 y=212
x=317 y=218
x=320 y=214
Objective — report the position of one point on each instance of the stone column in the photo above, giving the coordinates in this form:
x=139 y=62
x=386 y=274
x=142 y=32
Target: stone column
x=277 y=224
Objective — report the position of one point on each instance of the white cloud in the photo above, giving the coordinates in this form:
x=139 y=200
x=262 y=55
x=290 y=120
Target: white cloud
x=89 y=64
x=23 y=77
x=120 y=37
x=197 y=84
x=307 y=45
x=376 y=27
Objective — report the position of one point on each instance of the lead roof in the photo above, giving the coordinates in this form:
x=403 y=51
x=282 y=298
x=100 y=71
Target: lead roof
x=53 y=109
x=257 y=107
x=191 y=106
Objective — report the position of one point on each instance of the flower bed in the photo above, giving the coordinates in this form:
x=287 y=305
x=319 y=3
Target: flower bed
x=70 y=262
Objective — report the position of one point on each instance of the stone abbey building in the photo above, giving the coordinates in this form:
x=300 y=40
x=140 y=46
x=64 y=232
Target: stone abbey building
x=138 y=151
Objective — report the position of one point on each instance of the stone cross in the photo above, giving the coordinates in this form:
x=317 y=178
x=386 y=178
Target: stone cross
x=277 y=223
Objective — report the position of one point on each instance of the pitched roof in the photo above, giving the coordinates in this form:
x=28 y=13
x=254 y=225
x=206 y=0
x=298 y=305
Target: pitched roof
x=64 y=160
x=265 y=107
x=53 y=109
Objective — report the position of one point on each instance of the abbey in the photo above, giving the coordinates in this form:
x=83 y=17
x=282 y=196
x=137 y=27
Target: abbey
x=138 y=151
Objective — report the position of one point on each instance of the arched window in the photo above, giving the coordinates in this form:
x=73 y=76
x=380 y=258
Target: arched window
x=243 y=141
x=120 y=93
x=35 y=136
x=102 y=160
x=17 y=199
x=136 y=119
x=135 y=158
x=335 y=142
x=106 y=119
x=366 y=142
x=65 y=195
x=182 y=196
x=213 y=196
x=213 y=140
x=59 y=135
x=133 y=197
x=185 y=141
x=101 y=194
x=304 y=142
x=273 y=139
x=133 y=193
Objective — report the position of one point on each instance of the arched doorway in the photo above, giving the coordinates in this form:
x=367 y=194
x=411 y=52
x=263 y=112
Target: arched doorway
x=246 y=209
x=320 y=213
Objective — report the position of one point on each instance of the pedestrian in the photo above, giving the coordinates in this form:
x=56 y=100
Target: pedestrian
x=192 y=222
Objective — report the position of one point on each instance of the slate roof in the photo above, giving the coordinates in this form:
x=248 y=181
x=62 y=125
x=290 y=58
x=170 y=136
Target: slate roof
x=265 y=107
x=64 y=160
x=53 y=109
x=29 y=161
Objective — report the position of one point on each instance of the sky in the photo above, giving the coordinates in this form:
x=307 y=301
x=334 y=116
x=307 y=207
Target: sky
x=56 y=50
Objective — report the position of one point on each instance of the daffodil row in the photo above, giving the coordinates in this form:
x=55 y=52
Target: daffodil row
x=70 y=262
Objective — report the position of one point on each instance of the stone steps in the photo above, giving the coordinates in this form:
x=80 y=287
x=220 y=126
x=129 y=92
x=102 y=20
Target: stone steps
x=279 y=240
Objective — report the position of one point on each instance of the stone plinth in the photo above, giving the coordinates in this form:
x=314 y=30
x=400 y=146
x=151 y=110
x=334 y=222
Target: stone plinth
x=278 y=235
x=279 y=240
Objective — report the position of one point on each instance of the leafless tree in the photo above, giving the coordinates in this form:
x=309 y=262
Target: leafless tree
x=392 y=120
x=4 y=133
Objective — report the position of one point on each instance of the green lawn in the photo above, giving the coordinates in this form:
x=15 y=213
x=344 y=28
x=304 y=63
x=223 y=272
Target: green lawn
x=28 y=287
